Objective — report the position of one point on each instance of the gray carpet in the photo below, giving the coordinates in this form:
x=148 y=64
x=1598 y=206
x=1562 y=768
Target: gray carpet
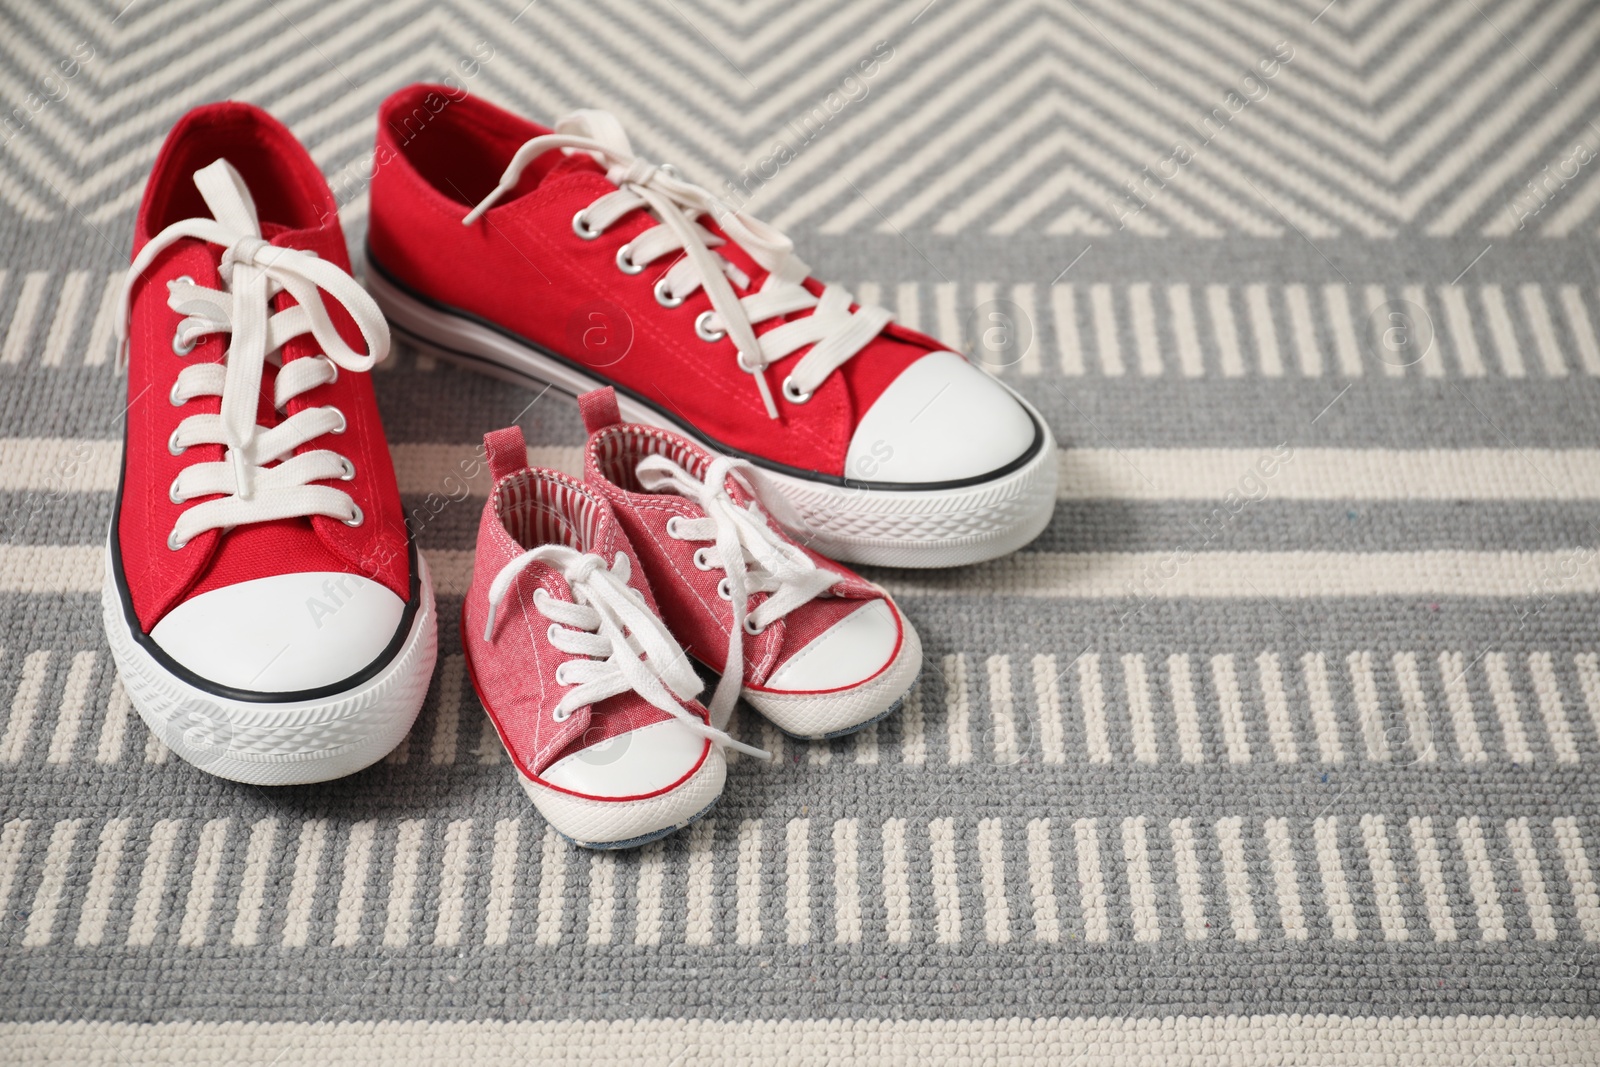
x=1280 y=745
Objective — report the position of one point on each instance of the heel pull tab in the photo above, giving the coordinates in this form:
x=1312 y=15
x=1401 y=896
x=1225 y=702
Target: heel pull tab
x=506 y=450
x=599 y=409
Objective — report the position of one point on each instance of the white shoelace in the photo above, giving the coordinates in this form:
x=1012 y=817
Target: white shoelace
x=260 y=479
x=835 y=332
x=754 y=556
x=617 y=643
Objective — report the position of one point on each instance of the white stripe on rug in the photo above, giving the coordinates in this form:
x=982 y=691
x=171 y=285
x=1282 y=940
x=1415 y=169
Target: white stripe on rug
x=1531 y=577
x=1237 y=1041
x=59 y=466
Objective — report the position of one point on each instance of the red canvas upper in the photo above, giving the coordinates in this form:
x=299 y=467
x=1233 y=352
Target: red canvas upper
x=690 y=604
x=514 y=669
x=296 y=211
x=440 y=151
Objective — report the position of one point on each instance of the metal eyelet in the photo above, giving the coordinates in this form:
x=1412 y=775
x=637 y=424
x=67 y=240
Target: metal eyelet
x=349 y=470
x=172 y=492
x=172 y=442
x=173 y=543
x=561 y=675
x=172 y=396
x=724 y=590
x=550 y=635
x=560 y=716
x=625 y=261
x=343 y=424
x=702 y=558
x=581 y=227
x=664 y=298
x=333 y=367
x=673 y=526
x=702 y=327
x=793 y=393
x=358 y=518
x=179 y=348
x=751 y=628
x=183 y=278
x=747 y=368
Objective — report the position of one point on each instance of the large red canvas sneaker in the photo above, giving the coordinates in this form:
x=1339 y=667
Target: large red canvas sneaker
x=591 y=695
x=268 y=613
x=560 y=256
x=811 y=645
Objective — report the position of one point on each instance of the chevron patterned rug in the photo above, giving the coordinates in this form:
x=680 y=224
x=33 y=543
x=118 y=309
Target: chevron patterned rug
x=1281 y=745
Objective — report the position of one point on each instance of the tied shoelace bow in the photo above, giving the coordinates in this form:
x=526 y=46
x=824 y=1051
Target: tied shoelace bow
x=834 y=331
x=619 y=644
x=755 y=558
x=260 y=479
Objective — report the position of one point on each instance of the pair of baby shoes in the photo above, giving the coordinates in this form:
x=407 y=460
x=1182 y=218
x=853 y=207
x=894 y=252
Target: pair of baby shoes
x=593 y=602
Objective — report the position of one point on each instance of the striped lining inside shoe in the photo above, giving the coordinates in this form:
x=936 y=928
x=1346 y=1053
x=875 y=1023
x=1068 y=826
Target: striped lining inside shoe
x=543 y=507
x=618 y=450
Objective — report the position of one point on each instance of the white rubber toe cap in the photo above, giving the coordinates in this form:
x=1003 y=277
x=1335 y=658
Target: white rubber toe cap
x=646 y=760
x=942 y=420
x=284 y=634
x=848 y=652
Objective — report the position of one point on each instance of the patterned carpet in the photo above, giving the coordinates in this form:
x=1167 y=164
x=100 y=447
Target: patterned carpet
x=1280 y=745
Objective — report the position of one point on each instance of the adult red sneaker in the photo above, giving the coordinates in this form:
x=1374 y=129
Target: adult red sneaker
x=592 y=697
x=267 y=610
x=811 y=645
x=559 y=256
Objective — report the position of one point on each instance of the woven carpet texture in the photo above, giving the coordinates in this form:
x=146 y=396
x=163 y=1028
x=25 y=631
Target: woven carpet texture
x=1280 y=745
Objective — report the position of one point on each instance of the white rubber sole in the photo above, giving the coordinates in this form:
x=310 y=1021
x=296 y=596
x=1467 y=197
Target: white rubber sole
x=611 y=824
x=277 y=743
x=946 y=527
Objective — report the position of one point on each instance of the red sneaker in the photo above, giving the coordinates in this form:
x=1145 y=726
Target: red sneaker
x=811 y=645
x=592 y=697
x=268 y=613
x=583 y=266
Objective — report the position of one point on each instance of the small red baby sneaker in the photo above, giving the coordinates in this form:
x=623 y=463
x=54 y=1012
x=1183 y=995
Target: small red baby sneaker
x=592 y=696
x=559 y=255
x=264 y=603
x=813 y=646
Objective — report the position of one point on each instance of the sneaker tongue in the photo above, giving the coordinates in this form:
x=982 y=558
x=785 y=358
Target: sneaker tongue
x=573 y=163
x=326 y=241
